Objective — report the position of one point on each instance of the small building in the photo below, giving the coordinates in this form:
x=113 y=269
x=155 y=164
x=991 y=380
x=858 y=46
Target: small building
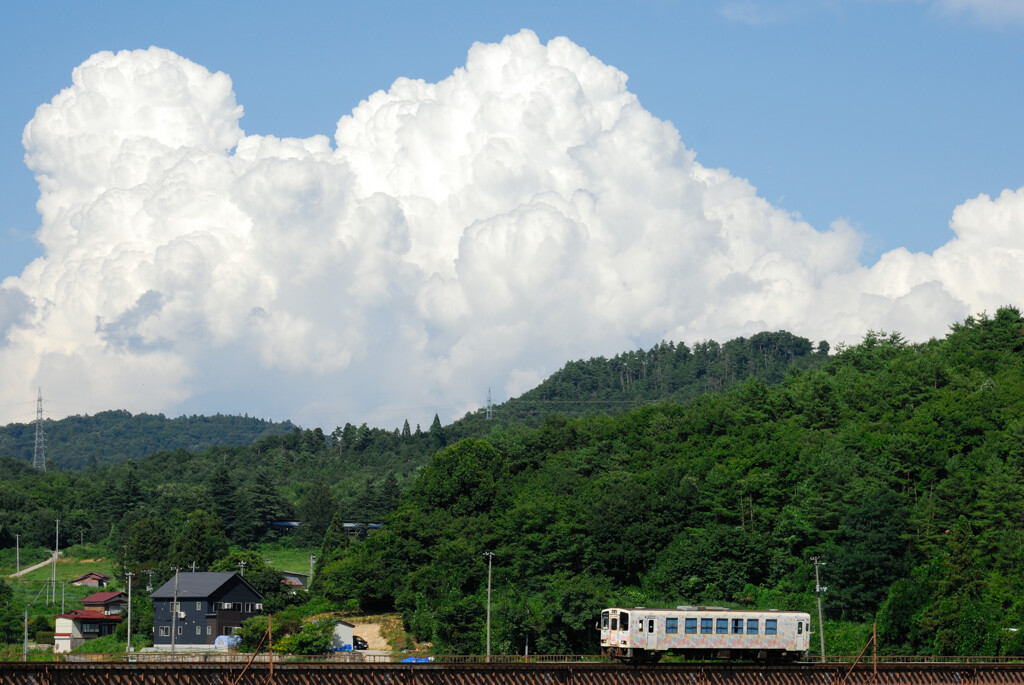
x=295 y=581
x=81 y=625
x=342 y=636
x=106 y=603
x=192 y=610
x=92 y=579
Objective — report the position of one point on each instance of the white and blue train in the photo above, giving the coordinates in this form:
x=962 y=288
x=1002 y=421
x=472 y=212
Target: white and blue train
x=641 y=635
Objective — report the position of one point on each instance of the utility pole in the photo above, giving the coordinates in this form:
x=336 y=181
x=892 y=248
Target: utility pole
x=174 y=610
x=242 y=565
x=490 y=559
x=17 y=554
x=309 y=581
x=24 y=645
x=56 y=554
x=818 y=589
x=128 y=648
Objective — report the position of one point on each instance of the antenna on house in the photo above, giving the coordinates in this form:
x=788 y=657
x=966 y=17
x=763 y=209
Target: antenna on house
x=488 y=404
x=39 y=454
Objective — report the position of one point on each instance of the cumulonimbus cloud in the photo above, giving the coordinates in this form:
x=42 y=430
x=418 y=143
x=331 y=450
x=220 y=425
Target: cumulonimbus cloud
x=475 y=232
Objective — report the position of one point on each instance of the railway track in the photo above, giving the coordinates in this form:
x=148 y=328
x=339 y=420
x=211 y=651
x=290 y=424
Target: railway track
x=502 y=671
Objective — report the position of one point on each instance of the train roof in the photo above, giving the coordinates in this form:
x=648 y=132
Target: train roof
x=725 y=610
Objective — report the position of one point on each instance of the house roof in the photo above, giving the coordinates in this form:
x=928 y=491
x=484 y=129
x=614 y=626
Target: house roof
x=103 y=597
x=198 y=585
x=91 y=574
x=88 y=615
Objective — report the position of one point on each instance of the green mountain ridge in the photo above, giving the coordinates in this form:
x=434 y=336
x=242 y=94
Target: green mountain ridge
x=76 y=442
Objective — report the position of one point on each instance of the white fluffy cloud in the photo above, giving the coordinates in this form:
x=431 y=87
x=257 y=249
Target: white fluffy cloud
x=475 y=232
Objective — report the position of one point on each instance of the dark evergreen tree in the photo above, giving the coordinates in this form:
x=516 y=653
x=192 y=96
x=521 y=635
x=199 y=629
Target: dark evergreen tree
x=316 y=509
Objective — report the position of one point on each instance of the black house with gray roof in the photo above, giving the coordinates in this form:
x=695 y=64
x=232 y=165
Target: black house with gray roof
x=208 y=605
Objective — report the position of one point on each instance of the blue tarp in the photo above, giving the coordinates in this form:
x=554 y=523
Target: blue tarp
x=226 y=642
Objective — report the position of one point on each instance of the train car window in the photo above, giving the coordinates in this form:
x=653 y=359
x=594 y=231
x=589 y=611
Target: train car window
x=624 y=621
x=671 y=625
x=691 y=626
x=799 y=627
x=752 y=626
x=721 y=625
x=737 y=626
x=604 y=620
x=705 y=626
x=615 y=623
x=771 y=626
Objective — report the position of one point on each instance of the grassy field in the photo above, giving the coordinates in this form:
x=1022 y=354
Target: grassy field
x=291 y=559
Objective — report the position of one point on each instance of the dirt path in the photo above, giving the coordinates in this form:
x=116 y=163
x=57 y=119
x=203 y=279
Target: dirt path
x=371 y=633
x=45 y=562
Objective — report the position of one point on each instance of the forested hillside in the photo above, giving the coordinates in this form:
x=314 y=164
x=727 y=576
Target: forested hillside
x=76 y=442
x=668 y=372
x=898 y=465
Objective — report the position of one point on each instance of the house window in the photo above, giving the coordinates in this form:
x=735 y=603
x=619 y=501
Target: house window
x=691 y=626
x=249 y=607
x=226 y=606
x=705 y=626
x=771 y=626
x=209 y=630
x=179 y=630
x=259 y=606
x=671 y=625
x=165 y=631
x=199 y=606
x=199 y=630
x=175 y=606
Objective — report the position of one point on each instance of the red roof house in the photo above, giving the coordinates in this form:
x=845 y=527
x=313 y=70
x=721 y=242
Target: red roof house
x=80 y=625
x=92 y=579
x=106 y=603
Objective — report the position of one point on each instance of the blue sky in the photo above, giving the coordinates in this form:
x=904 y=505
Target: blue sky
x=870 y=120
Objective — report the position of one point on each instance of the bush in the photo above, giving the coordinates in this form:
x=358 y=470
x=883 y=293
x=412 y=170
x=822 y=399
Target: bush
x=108 y=644
x=316 y=637
x=44 y=637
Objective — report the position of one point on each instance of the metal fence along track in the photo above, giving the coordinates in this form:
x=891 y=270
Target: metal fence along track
x=532 y=673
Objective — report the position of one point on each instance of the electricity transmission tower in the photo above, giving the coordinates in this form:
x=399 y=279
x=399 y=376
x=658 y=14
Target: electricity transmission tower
x=488 y=404
x=39 y=455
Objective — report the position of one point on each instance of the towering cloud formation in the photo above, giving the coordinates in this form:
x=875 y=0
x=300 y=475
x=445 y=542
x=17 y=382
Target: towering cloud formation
x=475 y=232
